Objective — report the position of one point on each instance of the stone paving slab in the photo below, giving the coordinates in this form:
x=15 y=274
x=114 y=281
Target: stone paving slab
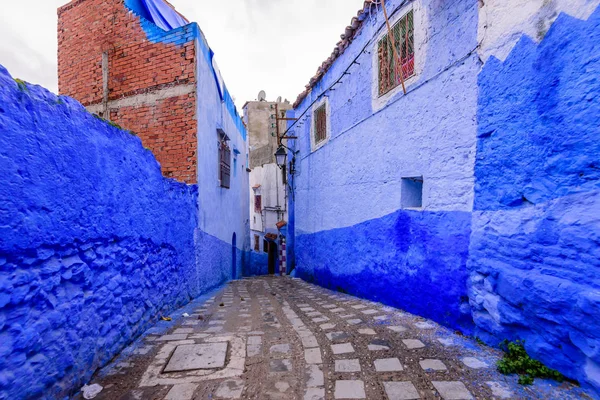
x=197 y=356
x=282 y=338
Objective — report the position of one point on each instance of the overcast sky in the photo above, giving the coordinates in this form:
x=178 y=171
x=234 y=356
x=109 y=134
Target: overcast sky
x=273 y=45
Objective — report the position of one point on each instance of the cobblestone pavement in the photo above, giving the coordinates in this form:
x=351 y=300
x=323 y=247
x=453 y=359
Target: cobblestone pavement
x=282 y=338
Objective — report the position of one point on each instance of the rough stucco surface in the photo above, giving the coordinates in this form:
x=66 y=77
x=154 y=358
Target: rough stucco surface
x=94 y=243
x=501 y=27
x=350 y=231
x=534 y=255
x=411 y=259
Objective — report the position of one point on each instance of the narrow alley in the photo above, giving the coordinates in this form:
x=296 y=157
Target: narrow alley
x=282 y=338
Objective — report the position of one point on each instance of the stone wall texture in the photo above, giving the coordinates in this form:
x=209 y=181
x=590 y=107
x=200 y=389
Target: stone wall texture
x=95 y=245
x=151 y=77
x=535 y=246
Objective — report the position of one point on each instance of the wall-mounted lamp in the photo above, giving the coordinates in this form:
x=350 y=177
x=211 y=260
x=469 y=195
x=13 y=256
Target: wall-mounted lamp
x=281 y=156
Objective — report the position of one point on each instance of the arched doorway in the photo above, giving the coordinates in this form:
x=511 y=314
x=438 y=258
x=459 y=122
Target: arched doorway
x=234 y=257
x=272 y=257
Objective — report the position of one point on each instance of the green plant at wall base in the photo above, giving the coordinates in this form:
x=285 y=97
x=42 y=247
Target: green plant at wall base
x=517 y=361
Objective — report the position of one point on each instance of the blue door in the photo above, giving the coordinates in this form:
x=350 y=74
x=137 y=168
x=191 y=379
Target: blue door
x=233 y=257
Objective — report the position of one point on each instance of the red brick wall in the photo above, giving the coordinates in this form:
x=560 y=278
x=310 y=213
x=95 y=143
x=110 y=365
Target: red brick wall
x=137 y=67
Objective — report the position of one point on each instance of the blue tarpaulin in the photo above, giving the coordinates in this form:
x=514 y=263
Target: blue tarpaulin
x=158 y=12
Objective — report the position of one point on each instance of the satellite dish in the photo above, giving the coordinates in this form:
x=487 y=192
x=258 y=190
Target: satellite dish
x=279 y=99
x=262 y=96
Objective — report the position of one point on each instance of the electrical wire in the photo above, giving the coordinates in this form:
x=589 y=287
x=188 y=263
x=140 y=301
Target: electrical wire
x=354 y=61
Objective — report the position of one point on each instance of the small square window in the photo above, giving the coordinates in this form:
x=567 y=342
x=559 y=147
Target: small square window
x=256 y=243
x=320 y=118
x=412 y=192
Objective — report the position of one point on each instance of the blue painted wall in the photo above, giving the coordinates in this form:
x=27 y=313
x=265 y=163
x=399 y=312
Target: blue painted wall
x=351 y=232
x=222 y=212
x=94 y=243
x=535 y=247
x=397 y=259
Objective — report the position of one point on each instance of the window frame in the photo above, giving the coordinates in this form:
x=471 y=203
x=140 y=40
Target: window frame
x=324 y=102
x=390 y=52
x=257 y=203
x=420 y=50
x=224 y=167
x=256 y=243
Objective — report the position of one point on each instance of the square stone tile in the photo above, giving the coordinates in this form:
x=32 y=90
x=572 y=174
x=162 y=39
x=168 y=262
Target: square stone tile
x=176 y=336
x=354 y=321
x=280 y=349
x=474 y=363
x=347 y=316
x=338 y=310
x=359 y=306
x=452 y=390
x=309 y=341
x=432 y=365
x=314 y=394
x=347 y=365
x=327 y=327
x=367 y=331
x=413 y=344
x=313 y=356
x=230 y=389
x=447 y=342
x=378 y=344
x=320 y=319
x=401 y=391
x=425 y=325
x=350 y=390
x=370 y=312
x=388 y=365
x=499 y=390
x=254 y=339
x=183 y=331
x=184 y=391
x=197 y=356
x=280 y=365
x=314 y=376
x=314 y=314
x=343 y=348
x=337 y=336
x=329 y=306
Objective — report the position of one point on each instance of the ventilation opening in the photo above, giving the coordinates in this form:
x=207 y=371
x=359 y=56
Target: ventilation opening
x=412 y=192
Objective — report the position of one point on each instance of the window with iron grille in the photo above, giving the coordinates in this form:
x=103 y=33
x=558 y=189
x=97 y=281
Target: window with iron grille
x=320 y=120
x=257 y=203
x=390 y=69
x=256 y=243
x=225 y=165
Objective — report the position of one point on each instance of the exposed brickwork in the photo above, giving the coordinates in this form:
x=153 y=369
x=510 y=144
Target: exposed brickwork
x=136 y=66
x=163 y=128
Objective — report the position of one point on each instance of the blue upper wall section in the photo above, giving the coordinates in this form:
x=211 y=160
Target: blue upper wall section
x=162 y=24
x=534 y=253
x=95 y=244
x=538 y=121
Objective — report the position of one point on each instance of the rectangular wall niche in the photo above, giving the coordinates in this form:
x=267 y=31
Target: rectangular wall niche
x=412 y=192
